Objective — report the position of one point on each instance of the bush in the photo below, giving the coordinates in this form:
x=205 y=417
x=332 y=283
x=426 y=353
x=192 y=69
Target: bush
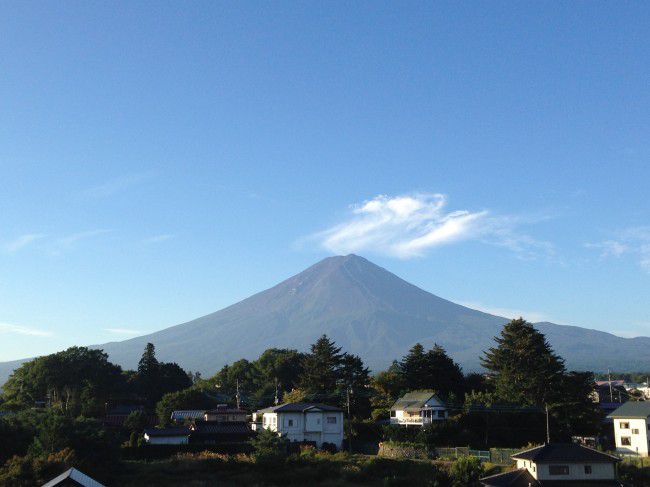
x=466 y=471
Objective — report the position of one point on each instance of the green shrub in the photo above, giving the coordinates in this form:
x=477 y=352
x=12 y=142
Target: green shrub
x=466 y=471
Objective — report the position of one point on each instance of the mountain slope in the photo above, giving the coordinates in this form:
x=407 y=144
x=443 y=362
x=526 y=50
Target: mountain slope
x=368 y=311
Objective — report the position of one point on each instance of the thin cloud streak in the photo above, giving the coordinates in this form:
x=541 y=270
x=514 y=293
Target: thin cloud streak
x=510 y=313
x=158 y=239
x=633 y=241
x=407 y=226
x=23 y=330
x=22 y=242
x=71 y=240
x=116 y=185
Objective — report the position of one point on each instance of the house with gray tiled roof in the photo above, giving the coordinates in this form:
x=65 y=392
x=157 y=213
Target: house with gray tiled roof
x=559 y=465
x=418 y=408
x=300 y=421
x=632 y=428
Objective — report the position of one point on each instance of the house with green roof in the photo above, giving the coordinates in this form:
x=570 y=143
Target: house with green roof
x=418 y=408
x=631 y=428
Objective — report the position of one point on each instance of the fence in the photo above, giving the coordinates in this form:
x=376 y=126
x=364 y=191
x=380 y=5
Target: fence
x=494 y=455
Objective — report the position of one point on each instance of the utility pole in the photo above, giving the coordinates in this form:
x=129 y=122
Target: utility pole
x=609 y=377
x=276 y=401
x=548 y=428
x=237 y=397
x=348 y=391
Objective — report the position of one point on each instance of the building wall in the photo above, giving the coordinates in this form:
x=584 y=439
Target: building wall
x=313 y=426
x=166 y=440
x=599 y=471
x=639 y=441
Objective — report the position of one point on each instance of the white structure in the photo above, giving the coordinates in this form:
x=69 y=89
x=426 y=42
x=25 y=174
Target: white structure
x=418 y=408
x=303 y=422
x=167 y=436
x=73 y=477
x=631 y=428
x=559 y=464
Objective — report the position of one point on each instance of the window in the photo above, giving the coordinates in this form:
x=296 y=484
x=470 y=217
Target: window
x=587 y=469
x=331 y=420
x=318 y=421
x=290 y=422
x=635 y=431
x=392 y=414
x=624 y=425
x=626 y=441
x=558 y=469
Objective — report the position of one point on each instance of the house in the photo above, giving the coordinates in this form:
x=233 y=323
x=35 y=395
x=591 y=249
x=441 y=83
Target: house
x=73 y=477
x=167 y=436
x=559 y=465
x=300 y=421
x=183 y=415
x=223 y=413
x=219 y=432
x=418 y=408
x=631 y=427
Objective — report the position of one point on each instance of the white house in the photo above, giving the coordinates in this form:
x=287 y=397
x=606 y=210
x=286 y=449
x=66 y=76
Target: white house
x=559 y=464
x=167 y=436
x=631 y=427
x=303 y=422
x=73 y=477
x=418 y=408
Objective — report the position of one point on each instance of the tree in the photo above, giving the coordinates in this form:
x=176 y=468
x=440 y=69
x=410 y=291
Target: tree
x=148 y=364
x=442 y=374
x=73 y=381
x=277 y=369
x=155 y=379
x=354 y=380
x=271 y=449
x=322 y=369
x=466 y=471
x=523 y=367
x=388 y=386
x=185 y=399
x=413 y=367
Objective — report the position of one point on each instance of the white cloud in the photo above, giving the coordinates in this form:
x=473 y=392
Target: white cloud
x=633 y=241
x=23 y=330
x=116 y=185
x=72 y=239
x=123 y=331
x=158 y=238
x=407 y=226
x=510 y=313
x=22 y=242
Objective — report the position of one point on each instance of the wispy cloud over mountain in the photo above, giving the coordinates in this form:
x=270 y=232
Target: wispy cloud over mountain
x=408 y=226
x=23 y=330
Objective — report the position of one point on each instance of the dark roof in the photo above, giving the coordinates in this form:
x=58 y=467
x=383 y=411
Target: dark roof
x=187 y=414
x=581 y=483
x=225 y=411
x=516 y=478
x=124 y=409
x=413 y=401
x=632 y=410
x=214 y=427
x=79 y=478
x=180 y=431
x=299 y=407
x=564 y=452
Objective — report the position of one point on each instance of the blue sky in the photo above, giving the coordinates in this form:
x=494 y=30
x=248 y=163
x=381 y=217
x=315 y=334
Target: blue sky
x=160 y=160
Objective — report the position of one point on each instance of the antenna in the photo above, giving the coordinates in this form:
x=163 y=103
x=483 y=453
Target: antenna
x=609 y=376
x=237 y=397
x=548 y=428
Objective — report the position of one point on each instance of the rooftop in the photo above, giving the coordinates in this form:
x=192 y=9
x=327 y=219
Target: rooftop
x=180 y=431
x=515 y=478
x=78 y=477
x=299 y=407
x=413 y=400
x=564 y=452
x=632 y=410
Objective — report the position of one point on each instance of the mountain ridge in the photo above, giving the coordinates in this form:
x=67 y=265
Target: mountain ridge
x=368 y=311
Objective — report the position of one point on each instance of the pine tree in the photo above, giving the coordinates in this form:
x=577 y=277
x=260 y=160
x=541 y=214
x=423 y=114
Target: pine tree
x=354 y=379
x=321 y=368
x=413 y=368
x=523 y=367
x=148 y=363
x=442 y=374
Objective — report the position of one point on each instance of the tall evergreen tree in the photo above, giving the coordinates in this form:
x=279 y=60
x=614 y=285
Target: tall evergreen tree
x=354 y=381
x=148 y=364
x=523 y=367
x=442 y=374
x=413 y=367
x=321 y=368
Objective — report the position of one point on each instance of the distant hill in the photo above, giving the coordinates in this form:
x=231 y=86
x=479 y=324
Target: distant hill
x=368 y=311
